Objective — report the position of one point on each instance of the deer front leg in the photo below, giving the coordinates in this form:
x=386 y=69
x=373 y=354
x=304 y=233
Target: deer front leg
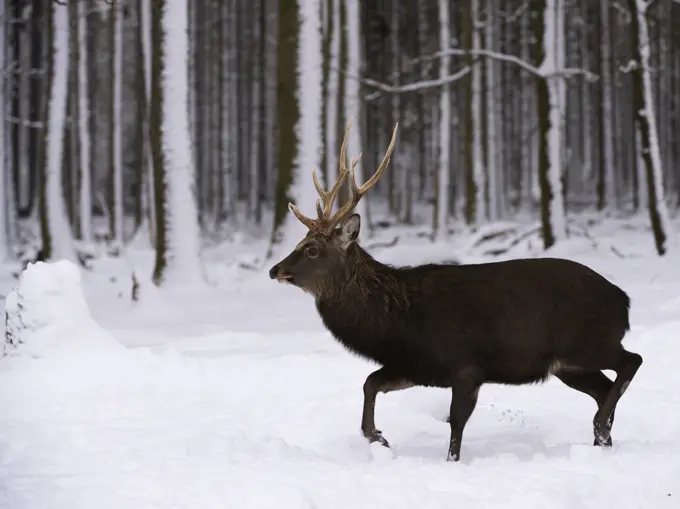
x=378 y=381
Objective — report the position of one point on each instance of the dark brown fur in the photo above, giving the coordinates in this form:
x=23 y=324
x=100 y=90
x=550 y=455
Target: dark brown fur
x=512 y=322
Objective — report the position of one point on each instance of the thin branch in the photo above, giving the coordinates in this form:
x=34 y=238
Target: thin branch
x=418 y=85
x=503 y=57
x=514 y=16
x=26 y=123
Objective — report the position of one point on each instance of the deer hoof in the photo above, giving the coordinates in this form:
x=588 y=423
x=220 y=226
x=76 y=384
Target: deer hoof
x=452 y=456
x=376 y=436
x=603 y=437
x=602 y=442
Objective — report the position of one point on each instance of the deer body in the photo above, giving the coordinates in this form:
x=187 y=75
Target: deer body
x=513 y=322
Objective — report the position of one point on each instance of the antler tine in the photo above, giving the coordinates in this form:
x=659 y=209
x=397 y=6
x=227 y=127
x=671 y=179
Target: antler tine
x=307 y=221
x=342 y=174
x=383 y=164
x=359 y=192
x=328 y=197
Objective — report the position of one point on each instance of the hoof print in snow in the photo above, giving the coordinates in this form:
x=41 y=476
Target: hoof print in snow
x=381 y=453
x=584 y=452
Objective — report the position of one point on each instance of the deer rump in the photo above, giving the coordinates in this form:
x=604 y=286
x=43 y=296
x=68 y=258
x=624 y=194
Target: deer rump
x=459 y=326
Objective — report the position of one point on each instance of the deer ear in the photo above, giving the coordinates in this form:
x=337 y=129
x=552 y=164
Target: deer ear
x=350 y=230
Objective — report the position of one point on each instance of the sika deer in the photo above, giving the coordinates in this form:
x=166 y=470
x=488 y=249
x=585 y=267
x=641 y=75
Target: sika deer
x=512 y=322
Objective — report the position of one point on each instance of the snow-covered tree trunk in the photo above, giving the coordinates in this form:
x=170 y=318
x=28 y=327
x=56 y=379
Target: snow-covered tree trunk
x=441 y=213
x=177 y=234
x=101 y=103
x=551 y=100
x=395 y=108
x=23 y=151
x=606 y=192
x=148 y=198
x=255 y=159
x=491 y=117
x=353 y=104
x=4 y=244
x=116 y=119
x=55 y=228
x=84 y=124
x=332 y=145
x=527 y=183
x=309 y=97
x=478 y=170
x=643 y=97
x=228 y=184
x=299 y=103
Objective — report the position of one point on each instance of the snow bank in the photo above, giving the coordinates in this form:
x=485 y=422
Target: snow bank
x=46 y=311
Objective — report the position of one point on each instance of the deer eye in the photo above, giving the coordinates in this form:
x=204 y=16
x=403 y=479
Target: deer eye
x=312 y=252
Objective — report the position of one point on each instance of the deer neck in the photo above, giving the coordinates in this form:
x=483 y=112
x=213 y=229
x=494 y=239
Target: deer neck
x=364 y=291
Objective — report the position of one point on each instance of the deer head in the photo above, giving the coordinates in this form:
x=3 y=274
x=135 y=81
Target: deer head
x=325 y=251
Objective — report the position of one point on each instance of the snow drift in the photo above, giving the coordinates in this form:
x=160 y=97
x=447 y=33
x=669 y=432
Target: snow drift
x=46 y=312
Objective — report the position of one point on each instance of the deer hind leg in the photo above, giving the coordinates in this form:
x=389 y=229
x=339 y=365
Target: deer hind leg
x=383 y=381
x=625 y=367
x=596 y=385
x=464 y=396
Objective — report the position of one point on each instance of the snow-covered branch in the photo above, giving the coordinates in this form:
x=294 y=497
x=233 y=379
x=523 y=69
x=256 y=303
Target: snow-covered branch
x=503 y=57
x=418 y=85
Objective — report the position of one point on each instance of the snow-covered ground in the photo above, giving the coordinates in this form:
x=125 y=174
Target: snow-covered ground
x=234 y=396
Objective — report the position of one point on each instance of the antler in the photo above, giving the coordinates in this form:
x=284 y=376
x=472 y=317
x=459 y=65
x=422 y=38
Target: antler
x=328 y=198
x=359 y=192
x=324 y=206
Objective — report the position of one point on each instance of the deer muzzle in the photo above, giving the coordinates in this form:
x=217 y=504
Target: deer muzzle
x=276 y=273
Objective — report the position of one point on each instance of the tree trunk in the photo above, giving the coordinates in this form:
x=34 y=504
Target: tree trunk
x=605 y=188
x=353 y=102
x=493 y=184
x=643 y=100
x=116 y=123
x=177 y=229
x=331 y=143
x=56 y=231
x=288 y=113
x=5 y=248
x=299 y=83
x=84 y=123
x=441 y=212
x=479 y=172
x=472 y=189
x=549 y=48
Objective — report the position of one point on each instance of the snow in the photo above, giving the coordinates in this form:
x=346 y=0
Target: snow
x=47 y=313
x=58 y=225
x=184 y=263
x=236 y=396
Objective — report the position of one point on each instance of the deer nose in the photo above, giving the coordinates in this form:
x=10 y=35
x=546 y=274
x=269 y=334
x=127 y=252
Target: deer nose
x=274 y=271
